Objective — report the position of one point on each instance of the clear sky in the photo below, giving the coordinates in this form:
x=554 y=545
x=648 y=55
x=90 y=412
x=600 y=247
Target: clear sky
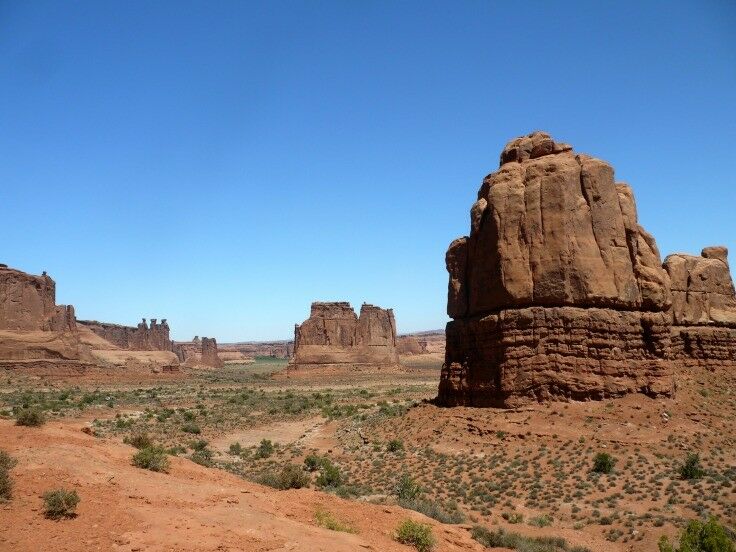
x=224 y=164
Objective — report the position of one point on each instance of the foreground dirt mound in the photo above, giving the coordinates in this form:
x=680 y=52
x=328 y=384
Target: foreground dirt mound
x=192 y=508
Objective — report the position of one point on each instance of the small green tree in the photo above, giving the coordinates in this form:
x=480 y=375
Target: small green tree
x=7 y=463
x=407 y=488
x=330 y=476
x=700 y=537
x=30 y=417
x=603 y=463
x=152 y=458
x=265 y=449
x=691 y=468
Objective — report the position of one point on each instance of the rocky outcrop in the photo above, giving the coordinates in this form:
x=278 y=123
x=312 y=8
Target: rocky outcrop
x=333 y=334
x=703 y=308
x=140 y=338
x=199 y=353
x=209 y=353
x=557 y=292
x=28 y=303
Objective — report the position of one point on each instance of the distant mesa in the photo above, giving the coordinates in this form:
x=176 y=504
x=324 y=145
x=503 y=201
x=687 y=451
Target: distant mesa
x=334 y=335
x=559 y=293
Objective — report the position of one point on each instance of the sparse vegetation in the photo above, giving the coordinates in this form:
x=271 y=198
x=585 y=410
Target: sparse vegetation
x=139 y=440
x=152 y=458
x=700 y=537
x=7 y=463
x=505 y=539
x=30 y=417
x=329 y=521
x=60 y=503
x=691 y=468
x=418 y=535
x=603 y=463
x=291 y=476
x=265 y=449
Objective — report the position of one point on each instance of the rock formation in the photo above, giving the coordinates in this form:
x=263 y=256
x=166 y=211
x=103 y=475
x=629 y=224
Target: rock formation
x=141 y=338
x=333 y=334
x=199 y=353
x=703 y=308
x=28 y=303
x=557 y=292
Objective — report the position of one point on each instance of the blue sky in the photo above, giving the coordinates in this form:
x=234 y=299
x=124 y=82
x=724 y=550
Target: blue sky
x=224 y=164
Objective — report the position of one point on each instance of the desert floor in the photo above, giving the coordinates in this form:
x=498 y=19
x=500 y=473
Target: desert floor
x=230 y=433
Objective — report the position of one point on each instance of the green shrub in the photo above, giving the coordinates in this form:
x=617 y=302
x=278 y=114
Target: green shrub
x=152 y=458
x=418 y=535
x=330 y=476
x=312 y=462
x=395 y=445
x=7 y=463
x=191 y=428
x=700 y=537
x=199 y=444
x=291 y=476
x=691 y=468
x=505 y=539
x=236 y=449
x=513 y=517
x=603 y=463
x=541 y=521
x=60 y=503
x=139 y=440
x=265 y=449
x=444 y=513
x=407 y=488
x=202 y=456
x=31 y=417
x=328 y=521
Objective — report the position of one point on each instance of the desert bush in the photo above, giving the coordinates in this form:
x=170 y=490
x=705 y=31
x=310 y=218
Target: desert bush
x=691 y=468
x=505 y=539
x=291 y=476
x=60 y=503
x=418 y=535
x=395 y=445
x=139 y=440
x=444 y=513
x=328 y=521
x=312 y=462
x=265 y=449
x=7 y=463
x=152 y=458
x=541 y=521
x=31 y=417
x=513 y=517
x=202 y=456
x=700 y=537
x=236 y=449
x=330 y=476
x=407 y=488
x=603 y=463
x=191 y=428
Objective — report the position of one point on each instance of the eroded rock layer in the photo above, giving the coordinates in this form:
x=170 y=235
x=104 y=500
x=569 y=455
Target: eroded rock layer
x=140 y=338
x=703 y=308
x=333 y=334
x=557 y=291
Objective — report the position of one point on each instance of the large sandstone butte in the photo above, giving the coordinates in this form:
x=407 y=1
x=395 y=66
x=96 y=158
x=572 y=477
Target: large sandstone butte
x=199 y=353
x=558 y=292
x=333 y=334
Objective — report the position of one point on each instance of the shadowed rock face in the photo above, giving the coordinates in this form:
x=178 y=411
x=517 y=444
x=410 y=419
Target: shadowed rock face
x=333 y=334
x=28 y=303
x=557 y=292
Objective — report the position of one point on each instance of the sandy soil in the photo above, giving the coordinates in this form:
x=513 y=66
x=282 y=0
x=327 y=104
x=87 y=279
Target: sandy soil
x=192 y=508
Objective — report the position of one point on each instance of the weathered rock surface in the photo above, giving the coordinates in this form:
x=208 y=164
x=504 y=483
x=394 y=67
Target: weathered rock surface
x=28 y=303
x=557 y=292
x=333 y=334
x=199 y=353
x=703 y=307
x=141 y=338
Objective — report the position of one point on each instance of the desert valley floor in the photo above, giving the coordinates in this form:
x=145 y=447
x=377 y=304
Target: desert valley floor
x=392 y=454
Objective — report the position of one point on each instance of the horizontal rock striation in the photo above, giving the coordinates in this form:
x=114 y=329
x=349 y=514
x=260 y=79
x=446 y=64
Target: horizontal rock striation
x=557 y=292
x=703 y=308
x=333 y=334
